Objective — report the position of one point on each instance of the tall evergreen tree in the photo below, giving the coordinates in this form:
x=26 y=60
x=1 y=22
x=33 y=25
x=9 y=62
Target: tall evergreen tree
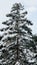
x=17 y=38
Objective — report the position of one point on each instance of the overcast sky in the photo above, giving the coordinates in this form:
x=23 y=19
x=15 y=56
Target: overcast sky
x=29 y=5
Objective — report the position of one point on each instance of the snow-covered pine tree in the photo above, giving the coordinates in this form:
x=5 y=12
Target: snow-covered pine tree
x=17 y=38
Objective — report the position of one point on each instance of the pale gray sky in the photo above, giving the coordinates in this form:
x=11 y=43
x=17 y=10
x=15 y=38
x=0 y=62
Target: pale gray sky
x=29 y=5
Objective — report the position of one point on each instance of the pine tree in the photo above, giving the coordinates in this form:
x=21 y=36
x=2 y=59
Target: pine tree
x=17 y=38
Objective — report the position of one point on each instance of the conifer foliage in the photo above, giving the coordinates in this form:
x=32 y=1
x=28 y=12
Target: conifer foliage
x=17 y=38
